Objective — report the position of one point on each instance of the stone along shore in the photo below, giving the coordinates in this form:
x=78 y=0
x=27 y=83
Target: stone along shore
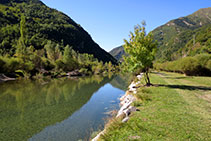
x=126 y=104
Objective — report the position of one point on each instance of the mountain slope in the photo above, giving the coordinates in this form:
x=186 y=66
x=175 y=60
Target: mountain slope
x=117 y=52
x=181 y=37
x=175 y=34
x=42 y=24
x=200 y=43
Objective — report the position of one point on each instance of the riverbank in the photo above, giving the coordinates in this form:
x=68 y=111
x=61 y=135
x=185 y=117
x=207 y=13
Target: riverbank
x=126 y=105
x=47 y=75
x=177 y=107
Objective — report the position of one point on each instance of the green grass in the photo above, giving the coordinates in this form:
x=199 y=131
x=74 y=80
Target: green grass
x=176 y=110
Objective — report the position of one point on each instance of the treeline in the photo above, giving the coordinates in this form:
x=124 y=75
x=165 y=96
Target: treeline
x=199 y=65
x=54 y=60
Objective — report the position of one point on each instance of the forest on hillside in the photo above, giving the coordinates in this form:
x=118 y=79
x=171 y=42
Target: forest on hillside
x=35 y=39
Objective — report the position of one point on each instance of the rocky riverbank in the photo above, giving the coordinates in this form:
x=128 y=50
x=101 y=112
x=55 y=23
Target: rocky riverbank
x=126 y=104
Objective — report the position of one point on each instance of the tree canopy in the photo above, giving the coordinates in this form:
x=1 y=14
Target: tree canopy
x=141 y=49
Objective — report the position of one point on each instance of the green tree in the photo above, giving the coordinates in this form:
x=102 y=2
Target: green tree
x=67 y=54
x=141 y=49
x=110 y=67
x=21 y=46
x=53 y=51
x=70 y=62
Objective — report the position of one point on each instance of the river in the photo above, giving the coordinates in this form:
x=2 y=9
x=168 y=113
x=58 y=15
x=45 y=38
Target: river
x=57 y=110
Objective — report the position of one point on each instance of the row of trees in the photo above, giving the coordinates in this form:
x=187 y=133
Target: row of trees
x=54 y=58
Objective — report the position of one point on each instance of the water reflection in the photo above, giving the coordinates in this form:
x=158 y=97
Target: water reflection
x=27 y=107
x=62 y=109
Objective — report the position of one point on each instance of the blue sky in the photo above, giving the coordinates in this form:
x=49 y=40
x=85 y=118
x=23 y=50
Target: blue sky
x=110 y=21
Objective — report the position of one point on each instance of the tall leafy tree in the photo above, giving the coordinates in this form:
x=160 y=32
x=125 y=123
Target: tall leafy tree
x=68 y=58
x=67 y=54
x=21 y=47
x=141 y=49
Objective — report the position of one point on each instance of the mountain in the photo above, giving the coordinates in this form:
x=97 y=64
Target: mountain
x=117 y=52
x=200 y=43
x=40 y=25
x=174 y=35
x=185 y=36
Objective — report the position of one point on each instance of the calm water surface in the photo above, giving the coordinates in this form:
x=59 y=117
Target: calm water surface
x=63 y=109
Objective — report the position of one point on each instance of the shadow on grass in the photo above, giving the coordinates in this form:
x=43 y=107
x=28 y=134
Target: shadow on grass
x=182 y=77
x=170 y=77
x=186 y=87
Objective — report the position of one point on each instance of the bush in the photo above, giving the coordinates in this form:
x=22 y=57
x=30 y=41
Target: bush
x=208 y=65
x=47 y=64
x=84 y=71
x=2 y=63
x=197 y=65
x=203 y=59
x=59 y=65
x=71 y=65
x=28 y=66
x=12 y=64
x=189 y=66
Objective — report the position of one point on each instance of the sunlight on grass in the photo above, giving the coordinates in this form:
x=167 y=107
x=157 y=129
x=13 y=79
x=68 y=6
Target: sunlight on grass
x=165 y=114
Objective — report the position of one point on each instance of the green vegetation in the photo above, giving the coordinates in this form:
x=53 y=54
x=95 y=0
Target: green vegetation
x=197 y=65
x=141 y=51
x=176 y=37
x=34 y=37
x=186 y=36
x=52 y=61
x=177 y=107
x=200 y=43
x=118 y=53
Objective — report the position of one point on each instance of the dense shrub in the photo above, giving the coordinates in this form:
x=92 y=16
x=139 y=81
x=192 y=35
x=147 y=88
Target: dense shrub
x=2 y=63
x=12 y=64
x=203 y=58
x=59 y=65
x=197 y=65
x=189 y=66
x=208 y=65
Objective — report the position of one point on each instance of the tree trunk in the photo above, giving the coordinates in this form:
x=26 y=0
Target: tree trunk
x=148 y=80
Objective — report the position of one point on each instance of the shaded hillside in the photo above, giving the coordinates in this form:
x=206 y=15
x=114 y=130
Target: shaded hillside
x=175 y=34
x=42 y=24
x=117 y=52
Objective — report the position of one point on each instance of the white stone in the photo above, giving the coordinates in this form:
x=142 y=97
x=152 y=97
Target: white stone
x=98 y=136
x=125 y=119
x=125 y=106
x=129 y=110
x=140 y=76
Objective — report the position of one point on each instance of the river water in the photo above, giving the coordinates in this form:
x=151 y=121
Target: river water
x=60 y=110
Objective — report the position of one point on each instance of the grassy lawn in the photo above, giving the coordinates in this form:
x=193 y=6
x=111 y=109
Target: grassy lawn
x=176 y=108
